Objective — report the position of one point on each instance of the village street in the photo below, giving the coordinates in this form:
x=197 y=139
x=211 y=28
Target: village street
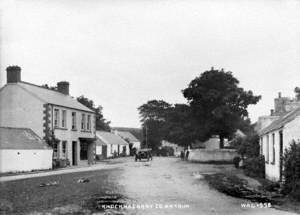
x=157 y=184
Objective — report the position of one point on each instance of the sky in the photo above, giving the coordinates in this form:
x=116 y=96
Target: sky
x=122 y=53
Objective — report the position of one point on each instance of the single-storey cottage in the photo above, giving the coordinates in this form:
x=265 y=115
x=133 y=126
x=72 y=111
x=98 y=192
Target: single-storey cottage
x=277 y=137
x=134 y=143
x=110 y=145
x=23 y=150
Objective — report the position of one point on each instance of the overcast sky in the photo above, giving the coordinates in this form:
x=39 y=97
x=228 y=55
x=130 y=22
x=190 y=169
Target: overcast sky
x=122 y=53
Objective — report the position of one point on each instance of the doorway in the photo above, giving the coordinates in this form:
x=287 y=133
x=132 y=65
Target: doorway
x=280 y=155
x=74 y=153
x=104 y=151
x=83 y=150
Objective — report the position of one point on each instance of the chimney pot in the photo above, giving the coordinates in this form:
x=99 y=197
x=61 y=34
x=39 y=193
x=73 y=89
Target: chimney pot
x=279 y=95
x=63 y=87
x=272 y=112
x=13 y=74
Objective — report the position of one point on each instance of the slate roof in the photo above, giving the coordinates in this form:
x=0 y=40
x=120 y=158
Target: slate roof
x=20 y=138
x=127 y=136
x=99 y=142
x=51 y=96
x=110 y=138
x=279 y=123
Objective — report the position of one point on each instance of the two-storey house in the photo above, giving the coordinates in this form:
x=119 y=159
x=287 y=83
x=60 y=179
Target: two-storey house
x=49 y=113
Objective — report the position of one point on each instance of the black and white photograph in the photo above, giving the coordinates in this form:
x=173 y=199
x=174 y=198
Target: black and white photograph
x=155 y=107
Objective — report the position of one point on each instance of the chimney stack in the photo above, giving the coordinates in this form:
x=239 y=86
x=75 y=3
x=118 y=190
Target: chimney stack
x=63 y=87
x=13 y=74
x=272 y=112
x=279 y=95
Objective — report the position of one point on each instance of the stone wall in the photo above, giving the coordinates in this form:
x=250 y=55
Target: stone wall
x=217 y=155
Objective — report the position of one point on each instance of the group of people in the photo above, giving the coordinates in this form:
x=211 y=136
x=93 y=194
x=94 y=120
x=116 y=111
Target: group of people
x=184 y=155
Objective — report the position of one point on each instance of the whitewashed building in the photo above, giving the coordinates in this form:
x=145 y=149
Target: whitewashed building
x=277 y=137
x=130 y=138
x=22 y=150
x=110 y=145
x=49 y=112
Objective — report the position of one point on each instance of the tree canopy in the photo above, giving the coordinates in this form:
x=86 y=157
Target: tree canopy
x=101 y=123
x=153 y=116
x=218 y=103
x=154 y=110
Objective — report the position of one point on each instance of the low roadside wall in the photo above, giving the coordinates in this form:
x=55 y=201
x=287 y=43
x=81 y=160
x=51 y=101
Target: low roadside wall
x=216 y=155
x=14 y=160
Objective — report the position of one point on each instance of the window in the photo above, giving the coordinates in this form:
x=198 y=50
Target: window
x=56 y=117
x=267 y=150
x=273 y=148
x=88 y=126
x=73 y=120
x=64 y=149
x=83 y=121
x=55 y=150
x=64 y=119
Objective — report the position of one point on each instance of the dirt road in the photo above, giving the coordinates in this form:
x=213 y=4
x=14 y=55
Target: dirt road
x=169 y=182
x=161 y=186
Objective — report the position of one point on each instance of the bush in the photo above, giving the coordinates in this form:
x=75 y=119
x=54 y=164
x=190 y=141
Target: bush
x=166 y=151
x=60 y=163
x=295 y=193
x=236 y=161
x=248 y=147
x=255 y=166
x=291 y=172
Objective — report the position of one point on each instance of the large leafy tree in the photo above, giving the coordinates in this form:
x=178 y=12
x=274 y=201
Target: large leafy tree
x=180 y=126
x=101 y=123
x=153 y=116
x=218 y=103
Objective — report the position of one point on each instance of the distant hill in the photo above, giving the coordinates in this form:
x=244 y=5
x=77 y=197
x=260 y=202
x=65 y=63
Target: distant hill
x=137 y=132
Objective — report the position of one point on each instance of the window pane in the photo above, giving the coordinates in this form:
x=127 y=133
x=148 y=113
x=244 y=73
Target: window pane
x=83 y=121
x=63 y=121
x=89 y=122
x=73 y=120
x=56 y=117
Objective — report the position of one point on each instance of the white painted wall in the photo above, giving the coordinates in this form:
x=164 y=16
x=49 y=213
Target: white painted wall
x=12 y=160
x=69 y=135
x=272 y=169
x=136 y=145
x=19 y=108
x=212 y=143
x=204 y=155
x=291 y=131
x=114 y=147
x=98 y=150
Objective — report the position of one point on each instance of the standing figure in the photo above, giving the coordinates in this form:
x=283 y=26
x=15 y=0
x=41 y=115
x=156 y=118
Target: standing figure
x=187 y=154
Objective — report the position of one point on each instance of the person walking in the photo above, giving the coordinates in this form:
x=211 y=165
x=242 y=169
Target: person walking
x=187 y=154
x=182 y=155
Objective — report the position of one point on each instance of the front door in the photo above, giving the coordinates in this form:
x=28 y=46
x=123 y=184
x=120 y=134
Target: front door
x=74 y=153
x=280 y=155
x=104 y=151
